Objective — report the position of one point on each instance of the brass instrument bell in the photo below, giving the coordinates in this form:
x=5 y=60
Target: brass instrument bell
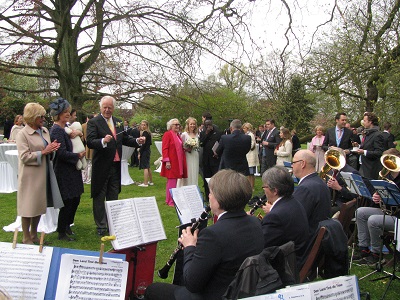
x=390 y=163
x=335 y=158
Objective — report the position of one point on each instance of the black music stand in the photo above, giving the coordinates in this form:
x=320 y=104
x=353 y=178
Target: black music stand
x=356 y=185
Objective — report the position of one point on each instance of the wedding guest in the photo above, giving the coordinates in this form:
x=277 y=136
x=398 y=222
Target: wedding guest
x=295 y=141
x=69 y=179
x=285 y=147
x=173 y=158
x=18 y=125
x=316 y=147
x=252 y=155
x=190 y=142
x=34 y=150
x=144 y=155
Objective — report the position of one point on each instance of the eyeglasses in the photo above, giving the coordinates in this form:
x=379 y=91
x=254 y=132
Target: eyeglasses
x=266 y=187
x=176 y=124
x=297 y=161
x=42 y=117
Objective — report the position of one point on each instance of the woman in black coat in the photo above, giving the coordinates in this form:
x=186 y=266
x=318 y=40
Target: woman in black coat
x=69 y=179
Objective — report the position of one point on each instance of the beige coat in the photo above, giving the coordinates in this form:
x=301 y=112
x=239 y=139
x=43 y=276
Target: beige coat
x=89 y=152
x=252 y=155
x=31 y=196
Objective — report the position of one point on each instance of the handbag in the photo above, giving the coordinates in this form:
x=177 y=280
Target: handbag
x=55 y=190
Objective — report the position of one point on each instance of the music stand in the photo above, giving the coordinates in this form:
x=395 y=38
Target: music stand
x=356 y=185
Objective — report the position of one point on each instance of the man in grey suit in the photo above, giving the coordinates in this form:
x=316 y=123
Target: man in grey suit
x=106 y=135
x=233 y=149
x=270 y=141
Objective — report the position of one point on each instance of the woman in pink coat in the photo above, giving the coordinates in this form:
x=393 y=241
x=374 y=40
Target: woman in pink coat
x=173 y=158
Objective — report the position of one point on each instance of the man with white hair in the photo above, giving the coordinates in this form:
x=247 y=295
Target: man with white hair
x=106 y=135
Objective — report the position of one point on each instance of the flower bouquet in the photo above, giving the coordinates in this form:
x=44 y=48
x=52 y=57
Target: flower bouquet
x=191 y=144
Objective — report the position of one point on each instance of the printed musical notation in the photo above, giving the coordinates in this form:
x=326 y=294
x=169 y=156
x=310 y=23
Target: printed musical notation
x=134 y=221
x=82 y=277
x=188 y=201
x=24 y=270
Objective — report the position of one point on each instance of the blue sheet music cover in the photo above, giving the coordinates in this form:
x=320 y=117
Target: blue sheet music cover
x=388 y=191
x=358 y=180
x=55 y=266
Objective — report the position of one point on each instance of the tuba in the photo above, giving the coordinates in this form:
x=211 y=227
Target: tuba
x=335 y=158
x=390 y=163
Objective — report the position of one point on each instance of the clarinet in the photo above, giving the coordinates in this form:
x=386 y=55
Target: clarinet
x=163 y=272
x=260 y=202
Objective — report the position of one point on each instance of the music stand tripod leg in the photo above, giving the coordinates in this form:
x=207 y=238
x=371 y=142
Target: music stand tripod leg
x=393 y=276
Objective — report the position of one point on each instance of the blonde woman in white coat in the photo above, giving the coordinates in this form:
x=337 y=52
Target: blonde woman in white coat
x=252 y=155
x=284 y=151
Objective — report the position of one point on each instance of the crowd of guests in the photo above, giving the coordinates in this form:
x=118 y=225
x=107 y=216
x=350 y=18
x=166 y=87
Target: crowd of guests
x=228 y=163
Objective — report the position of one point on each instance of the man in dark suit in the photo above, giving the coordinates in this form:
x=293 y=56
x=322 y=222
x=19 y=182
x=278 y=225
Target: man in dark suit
x=286 y=219
x=270 y=141
x=208 y=138
x=106 y=135
x=389 y=138
x=338 y=136
x=312 y=191
x=233 y=149
x=213 y=256
x=371 y=148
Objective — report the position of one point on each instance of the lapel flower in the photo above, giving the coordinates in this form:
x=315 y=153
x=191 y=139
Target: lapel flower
x=118 y=124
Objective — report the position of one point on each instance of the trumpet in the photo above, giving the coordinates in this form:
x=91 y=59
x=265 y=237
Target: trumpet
x=163 y=272
x=391 y=163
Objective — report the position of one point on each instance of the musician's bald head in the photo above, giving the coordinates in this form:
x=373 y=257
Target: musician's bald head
x=303 y=163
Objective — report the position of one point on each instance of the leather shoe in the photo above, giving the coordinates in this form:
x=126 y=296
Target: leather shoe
x=64 y=237
x=69 y=231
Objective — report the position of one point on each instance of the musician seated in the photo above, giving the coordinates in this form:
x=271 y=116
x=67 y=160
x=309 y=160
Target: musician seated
x=285 y=218
x=338 y=187
x=213 y=256
x=371 y=223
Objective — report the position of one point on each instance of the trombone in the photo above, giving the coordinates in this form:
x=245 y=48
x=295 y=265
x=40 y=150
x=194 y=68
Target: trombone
x=390 y=163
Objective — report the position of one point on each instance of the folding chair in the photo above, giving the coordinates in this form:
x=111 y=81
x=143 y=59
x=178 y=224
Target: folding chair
x=313 y=258
x=346 y=215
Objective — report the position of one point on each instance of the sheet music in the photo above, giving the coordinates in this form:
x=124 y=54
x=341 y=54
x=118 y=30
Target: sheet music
x=150 y=219
x=123 y=223
x=188 y=201
x=82 y=277
x=134 y=221
x=24 y=270
x=356 y=184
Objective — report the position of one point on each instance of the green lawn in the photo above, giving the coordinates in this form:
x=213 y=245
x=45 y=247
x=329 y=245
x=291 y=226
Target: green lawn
x=86 y=237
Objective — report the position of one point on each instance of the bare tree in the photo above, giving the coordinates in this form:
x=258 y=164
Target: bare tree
x=125 y=48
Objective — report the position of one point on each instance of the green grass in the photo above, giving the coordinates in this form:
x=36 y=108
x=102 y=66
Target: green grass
x=87 y=239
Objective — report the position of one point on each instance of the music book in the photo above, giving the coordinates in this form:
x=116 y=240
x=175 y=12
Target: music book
x=188 y=202
x=134 y=221
x=342 y=287
x=356 y=184
x=28 y=274
x=388 y=191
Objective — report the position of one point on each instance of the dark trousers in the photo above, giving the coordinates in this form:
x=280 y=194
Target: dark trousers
x=67 y=214
x=160 y=291
x=109 y=191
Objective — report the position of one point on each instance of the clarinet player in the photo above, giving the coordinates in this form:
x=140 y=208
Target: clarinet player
x=213 y=256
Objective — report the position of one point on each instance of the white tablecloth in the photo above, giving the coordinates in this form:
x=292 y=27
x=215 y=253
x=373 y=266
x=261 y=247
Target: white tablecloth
x=47 y=224
x=159 y=148
x=126 y=154
x=8 y=178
